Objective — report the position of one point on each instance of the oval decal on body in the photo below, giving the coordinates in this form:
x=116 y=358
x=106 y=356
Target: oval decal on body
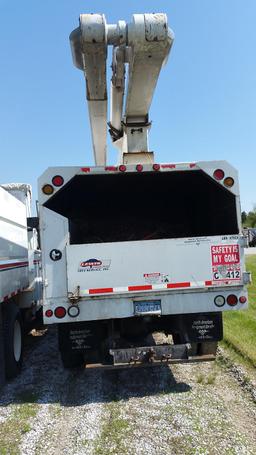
x=91 y=263
x=94 y=265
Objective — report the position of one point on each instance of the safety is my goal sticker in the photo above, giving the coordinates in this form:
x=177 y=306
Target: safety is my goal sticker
x=225 y=262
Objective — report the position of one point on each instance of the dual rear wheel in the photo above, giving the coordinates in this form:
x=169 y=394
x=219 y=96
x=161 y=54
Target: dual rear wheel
x=13 y=339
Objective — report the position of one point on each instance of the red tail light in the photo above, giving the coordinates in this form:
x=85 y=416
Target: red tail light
x=232 y=300
x=242 y=299
x=139 y=167
x=219 y=174
x=60 y=312
x=156 y=167
x=48 y=313
x=57 y=180
x=122 y=168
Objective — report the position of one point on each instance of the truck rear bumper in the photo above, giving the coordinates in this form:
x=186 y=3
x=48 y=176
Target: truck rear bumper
x=156 y=355
x=155 y=363
x=123 y=306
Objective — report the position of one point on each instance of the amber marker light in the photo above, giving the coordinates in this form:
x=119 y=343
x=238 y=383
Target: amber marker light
x=229 y=181
x=47 y=189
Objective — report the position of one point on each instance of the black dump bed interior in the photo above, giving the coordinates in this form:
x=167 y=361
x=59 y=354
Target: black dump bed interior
x=147 y=205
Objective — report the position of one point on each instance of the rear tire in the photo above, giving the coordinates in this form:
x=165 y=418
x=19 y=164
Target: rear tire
x=13 y=339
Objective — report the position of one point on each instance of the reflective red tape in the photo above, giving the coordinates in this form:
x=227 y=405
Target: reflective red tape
x=7 y=297
x=186 y=284
x=13 y=265
x=111 y=168
x=168 y=166
x=85 y=169
x=146 y=287
x=101 y=290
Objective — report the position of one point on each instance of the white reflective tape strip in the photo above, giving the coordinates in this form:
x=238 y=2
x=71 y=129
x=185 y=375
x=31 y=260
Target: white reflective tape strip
x=197 y=284
x=159 y=286
x=121 y=289
x=84 y=292
x=139 y=288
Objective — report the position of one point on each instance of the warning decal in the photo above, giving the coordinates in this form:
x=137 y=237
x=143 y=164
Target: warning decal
x=156 y=278
x=226 y=262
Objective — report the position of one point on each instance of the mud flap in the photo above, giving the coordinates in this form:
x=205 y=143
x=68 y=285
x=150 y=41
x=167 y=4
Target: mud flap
x=193 y=327
x=203 y=327
x=81 y=338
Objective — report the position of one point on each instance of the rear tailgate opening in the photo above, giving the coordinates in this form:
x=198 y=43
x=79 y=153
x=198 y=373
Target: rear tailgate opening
x=103 y=208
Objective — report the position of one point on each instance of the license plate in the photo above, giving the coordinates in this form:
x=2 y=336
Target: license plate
x=147 y=307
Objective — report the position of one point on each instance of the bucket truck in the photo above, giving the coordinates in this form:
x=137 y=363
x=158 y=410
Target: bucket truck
x=137 y=248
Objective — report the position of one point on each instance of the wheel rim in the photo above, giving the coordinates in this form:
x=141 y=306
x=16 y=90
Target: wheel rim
x=17 y=341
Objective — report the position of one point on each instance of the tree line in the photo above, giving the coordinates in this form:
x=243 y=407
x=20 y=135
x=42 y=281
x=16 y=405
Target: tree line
x=249 y=219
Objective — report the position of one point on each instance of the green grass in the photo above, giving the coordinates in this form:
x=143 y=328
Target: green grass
x=14 y=427
x=240 y=326
x=115 y=428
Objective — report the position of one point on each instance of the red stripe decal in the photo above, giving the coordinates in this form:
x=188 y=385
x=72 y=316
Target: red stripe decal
x=111 y=168
x=168 y=166
x=85 y=169
x=186 y=284
x=14 y=264
x=146 y=287
x=192 y=165
x=208 y=283
x=100 y=290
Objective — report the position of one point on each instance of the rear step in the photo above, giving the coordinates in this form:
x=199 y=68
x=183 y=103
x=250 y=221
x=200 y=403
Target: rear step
x=152 y=356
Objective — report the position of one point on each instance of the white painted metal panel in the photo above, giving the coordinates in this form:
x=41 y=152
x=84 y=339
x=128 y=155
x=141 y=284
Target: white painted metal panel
x=54 y=236
x=157 y=262
x=13 y=245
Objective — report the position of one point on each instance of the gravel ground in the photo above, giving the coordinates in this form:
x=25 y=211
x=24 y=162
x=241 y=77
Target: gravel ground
x=185 y=409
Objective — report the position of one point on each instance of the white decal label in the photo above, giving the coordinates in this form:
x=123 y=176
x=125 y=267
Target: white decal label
x=156 y=278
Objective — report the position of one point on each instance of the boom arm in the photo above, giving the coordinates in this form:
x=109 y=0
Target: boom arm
x=144 y=45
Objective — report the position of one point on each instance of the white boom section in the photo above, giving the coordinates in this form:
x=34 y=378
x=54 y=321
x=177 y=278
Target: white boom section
x=144 y=44
x=90 y=54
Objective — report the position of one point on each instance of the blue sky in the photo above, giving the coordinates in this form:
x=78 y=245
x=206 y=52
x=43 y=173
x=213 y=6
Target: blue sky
x=204 y=107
